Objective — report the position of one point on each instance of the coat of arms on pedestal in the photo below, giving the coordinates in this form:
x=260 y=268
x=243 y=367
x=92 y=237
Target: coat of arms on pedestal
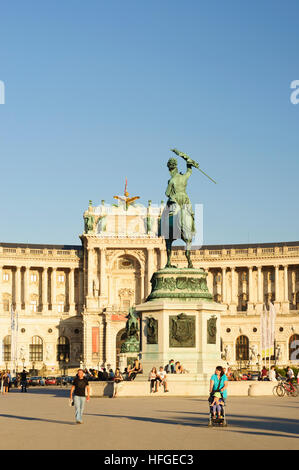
x=182 y=331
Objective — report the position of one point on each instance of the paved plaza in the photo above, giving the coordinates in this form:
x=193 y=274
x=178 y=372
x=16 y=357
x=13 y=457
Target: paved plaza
x=42 y=419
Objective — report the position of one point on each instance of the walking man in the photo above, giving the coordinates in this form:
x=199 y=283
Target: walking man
x=24 y=381
x=79 y=388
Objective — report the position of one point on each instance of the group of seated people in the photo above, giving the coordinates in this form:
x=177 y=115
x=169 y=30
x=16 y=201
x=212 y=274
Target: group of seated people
x=174 y=368
x=131 y=372
x=158 y=379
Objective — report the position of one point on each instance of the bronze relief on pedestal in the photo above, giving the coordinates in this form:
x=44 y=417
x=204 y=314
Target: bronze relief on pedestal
x=182 y=331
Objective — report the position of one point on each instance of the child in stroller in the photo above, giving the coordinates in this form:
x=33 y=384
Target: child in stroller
x=217 y=404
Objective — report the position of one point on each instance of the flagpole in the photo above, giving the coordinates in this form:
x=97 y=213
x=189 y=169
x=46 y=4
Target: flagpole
x=269 y=339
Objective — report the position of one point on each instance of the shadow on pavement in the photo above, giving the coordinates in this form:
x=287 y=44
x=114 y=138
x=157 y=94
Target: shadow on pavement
x=236 y=423
x=56 y=392
x=28 y=418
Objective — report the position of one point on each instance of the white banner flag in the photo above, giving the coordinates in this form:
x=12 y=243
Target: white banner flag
x=14 y=324
x=272 y=320
x=264 y=332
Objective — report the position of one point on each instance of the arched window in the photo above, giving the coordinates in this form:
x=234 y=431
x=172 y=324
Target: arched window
x=7 y=348
x=63 y=348
x=36 y=349
x=125 y=263
x=294 y=348
x=242 y=348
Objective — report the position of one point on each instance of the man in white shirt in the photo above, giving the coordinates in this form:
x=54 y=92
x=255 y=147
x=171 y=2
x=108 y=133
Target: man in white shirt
x=161 y=377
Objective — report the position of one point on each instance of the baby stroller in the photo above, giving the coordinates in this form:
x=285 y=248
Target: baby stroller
x=220 y=422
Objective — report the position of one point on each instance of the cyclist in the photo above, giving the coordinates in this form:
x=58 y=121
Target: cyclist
x=290 y=375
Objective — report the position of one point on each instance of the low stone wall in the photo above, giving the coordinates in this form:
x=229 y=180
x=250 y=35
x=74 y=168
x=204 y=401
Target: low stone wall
x=186 y=386
x=261 y=388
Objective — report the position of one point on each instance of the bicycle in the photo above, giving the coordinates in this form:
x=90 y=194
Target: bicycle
x=285 y=388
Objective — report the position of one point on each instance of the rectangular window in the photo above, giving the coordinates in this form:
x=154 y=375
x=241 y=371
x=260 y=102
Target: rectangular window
x=33 y=278
x=5 y=276
x=61 y=278
x=60 y=307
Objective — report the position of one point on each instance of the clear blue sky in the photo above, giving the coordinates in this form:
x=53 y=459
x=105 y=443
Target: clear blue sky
x=100 y=90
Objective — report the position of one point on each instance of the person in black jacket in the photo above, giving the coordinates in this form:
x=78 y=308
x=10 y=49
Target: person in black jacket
x=24 y=381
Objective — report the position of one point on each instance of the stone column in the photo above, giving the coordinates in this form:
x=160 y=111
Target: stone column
x=109 y=293
x=276 y=283
x=53 y=290
x=277 y=301
x=163 y=258
x=233 y=305
x=89 y=272
x=286 y=284
x=286 y=303
x=259 y=285
x=26 y=288
x=45 y=289
x=81 y=288
x=250 y=305
x=103 y=276
x=71 y=277
x=250 y=290
x=18 y=288
x=260 y=299
x=142 y=284
x=223 y=289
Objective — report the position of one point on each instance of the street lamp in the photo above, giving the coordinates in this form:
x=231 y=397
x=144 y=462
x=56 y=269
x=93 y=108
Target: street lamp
x=64 y=360
x=240 y=363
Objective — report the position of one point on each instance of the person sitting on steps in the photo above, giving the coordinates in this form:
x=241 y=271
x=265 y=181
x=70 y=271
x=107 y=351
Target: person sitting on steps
x=161 y=379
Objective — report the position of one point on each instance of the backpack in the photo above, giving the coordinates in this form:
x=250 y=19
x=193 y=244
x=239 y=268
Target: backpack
x=211 y=397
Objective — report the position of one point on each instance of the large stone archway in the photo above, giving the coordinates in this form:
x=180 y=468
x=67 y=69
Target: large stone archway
x=126 y=283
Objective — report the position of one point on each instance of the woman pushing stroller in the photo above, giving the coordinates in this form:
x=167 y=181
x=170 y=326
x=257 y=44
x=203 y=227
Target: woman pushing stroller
x=218 y=393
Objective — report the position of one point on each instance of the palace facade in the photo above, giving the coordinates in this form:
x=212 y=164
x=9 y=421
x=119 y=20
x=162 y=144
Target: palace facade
x=72 y=301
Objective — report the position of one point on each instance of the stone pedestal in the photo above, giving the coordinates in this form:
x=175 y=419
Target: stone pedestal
x=127 y=358
x=180 y=321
